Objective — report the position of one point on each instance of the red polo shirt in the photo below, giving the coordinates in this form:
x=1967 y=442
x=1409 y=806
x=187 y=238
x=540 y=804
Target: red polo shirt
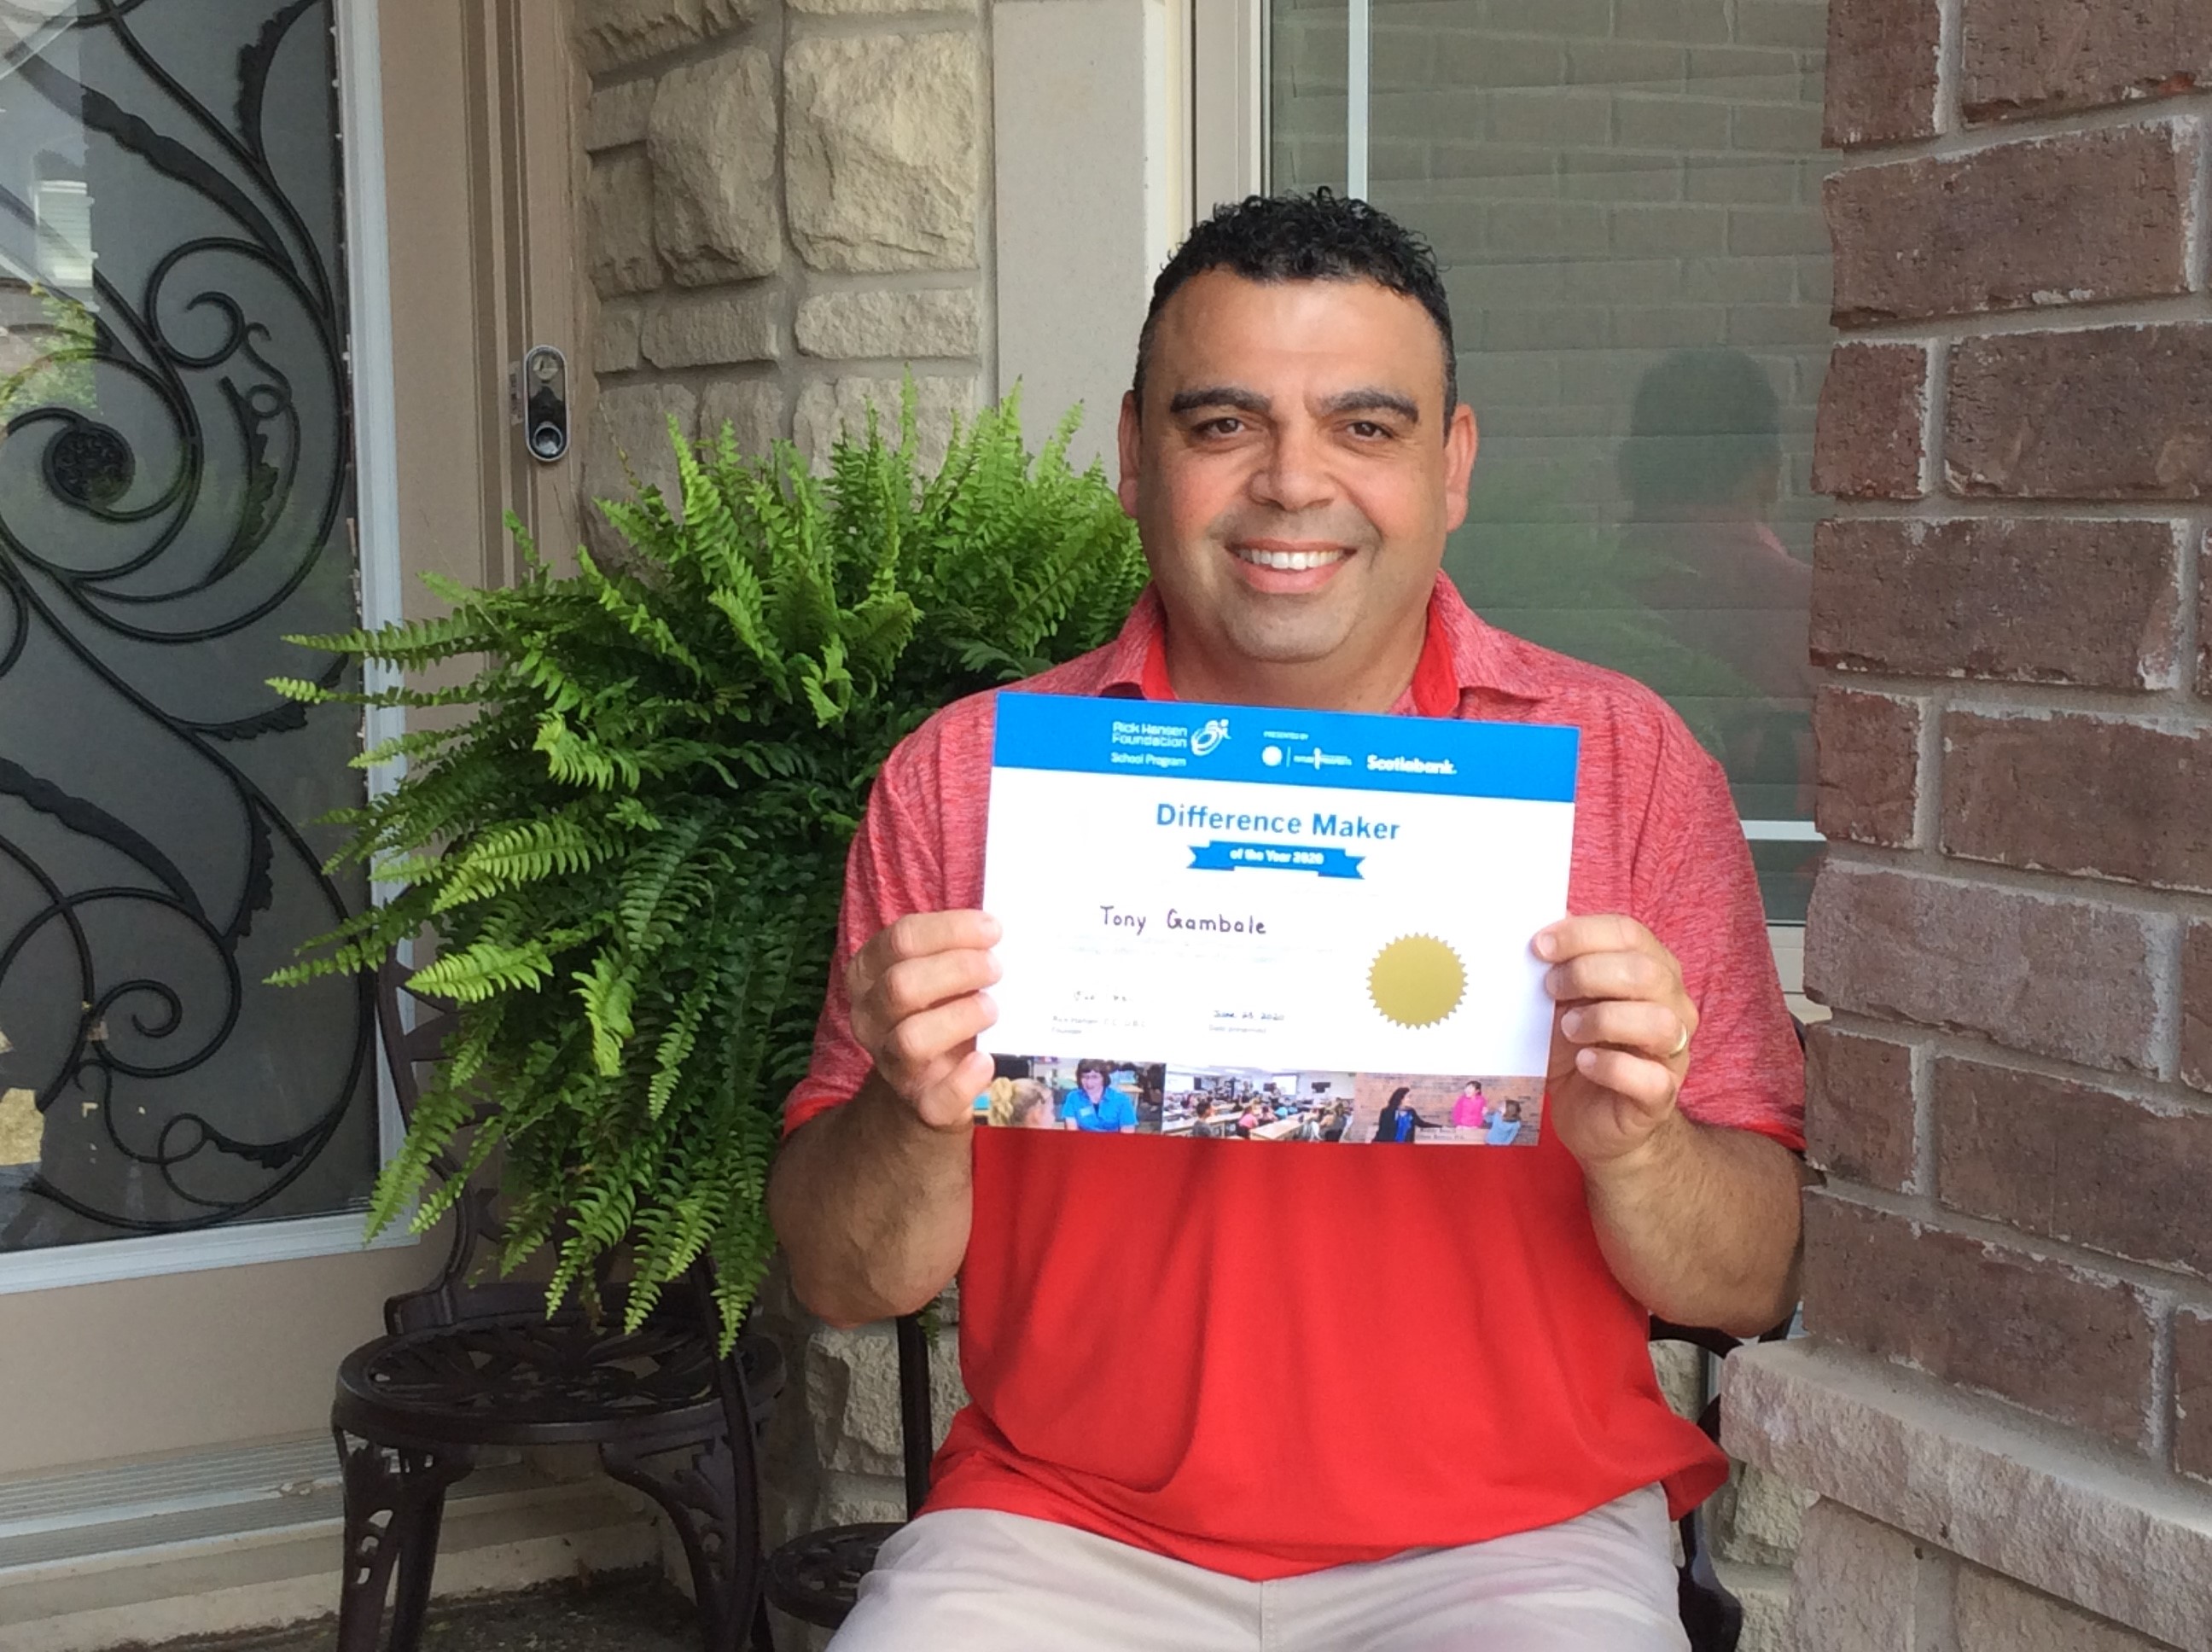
x=1270 y=1360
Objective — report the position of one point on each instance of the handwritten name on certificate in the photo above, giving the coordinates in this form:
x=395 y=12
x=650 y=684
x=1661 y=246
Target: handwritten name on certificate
x=1238 y=920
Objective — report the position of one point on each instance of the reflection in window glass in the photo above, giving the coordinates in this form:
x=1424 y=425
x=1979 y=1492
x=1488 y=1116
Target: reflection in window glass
x=175 y=490
x=1625 y=198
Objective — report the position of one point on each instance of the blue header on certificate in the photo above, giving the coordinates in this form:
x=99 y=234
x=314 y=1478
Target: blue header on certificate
x=1271 y=745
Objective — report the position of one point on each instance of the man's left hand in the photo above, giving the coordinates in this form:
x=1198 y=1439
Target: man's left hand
x=1621 y=1037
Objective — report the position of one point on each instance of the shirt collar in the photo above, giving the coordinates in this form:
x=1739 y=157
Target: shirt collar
x=1460 y=655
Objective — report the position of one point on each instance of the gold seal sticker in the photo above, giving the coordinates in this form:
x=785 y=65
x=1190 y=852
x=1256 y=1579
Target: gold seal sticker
x=1416 y=981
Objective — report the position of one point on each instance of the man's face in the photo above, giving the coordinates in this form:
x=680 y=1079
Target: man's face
x=1292 y=470
x=1093 y=1083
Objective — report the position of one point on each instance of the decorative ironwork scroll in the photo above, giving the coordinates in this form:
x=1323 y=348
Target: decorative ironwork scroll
x=175 y=495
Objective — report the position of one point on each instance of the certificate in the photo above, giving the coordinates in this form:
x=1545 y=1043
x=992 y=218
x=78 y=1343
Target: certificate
x=1271 y=924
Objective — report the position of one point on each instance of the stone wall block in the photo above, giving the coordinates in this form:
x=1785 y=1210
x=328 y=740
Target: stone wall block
x=617 y=115
x=1680 y=1367
x=882 y=164
x=752 y=408
x=2066 y=1343
x=712 y=138
x=853 y=1398
x=618 y=227
x=1858 y=1106
x=2088 y=217
x=1992 y=1614
x=615 y=343
x=2106 y=413
x=1762 y=1524
x=2094 y=604
x=2099 y=796
x=827 y=407
x=1856 y=1585
x=693 y=330
x=2063 y=978
x=609 y=33
x=1868 y=748
x=2067 y=1161
x=632 y=421
x=1868 y=441
x=2039 y=57
x=1881 y=71
x=2192 y=1392
x=2196 y=1006
x=856 y=327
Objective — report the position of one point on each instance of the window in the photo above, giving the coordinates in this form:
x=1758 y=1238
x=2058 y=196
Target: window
x=1625 y=198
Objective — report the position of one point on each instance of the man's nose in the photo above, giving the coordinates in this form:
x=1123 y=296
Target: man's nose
x=1295 y=476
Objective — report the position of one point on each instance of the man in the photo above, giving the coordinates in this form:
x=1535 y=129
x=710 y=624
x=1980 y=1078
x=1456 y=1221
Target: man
x=1294 y=454
x=1094 y=1104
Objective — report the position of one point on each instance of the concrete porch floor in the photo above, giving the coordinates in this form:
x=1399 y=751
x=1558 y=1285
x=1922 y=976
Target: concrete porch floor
x=641 y=1613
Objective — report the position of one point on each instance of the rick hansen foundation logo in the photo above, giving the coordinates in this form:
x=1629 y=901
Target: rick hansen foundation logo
x=1210 y=735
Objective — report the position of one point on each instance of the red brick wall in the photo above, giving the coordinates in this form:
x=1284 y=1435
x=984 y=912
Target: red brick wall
x=2014 y=925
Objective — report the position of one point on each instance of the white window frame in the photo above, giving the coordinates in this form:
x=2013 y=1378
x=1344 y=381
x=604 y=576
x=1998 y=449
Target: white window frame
x=376 y=503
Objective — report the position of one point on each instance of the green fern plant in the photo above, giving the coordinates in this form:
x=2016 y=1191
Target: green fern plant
x=632 y=850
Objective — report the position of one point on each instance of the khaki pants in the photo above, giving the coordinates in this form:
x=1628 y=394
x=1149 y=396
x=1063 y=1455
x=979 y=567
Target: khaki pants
x=974 y=1581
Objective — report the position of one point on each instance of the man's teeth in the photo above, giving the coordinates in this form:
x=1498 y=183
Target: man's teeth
x=1292 y=560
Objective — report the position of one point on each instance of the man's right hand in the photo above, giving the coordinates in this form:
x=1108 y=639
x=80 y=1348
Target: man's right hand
x=918 y=1003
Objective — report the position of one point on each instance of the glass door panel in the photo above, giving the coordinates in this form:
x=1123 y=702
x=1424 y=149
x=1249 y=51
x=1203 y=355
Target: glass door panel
x=175 y=495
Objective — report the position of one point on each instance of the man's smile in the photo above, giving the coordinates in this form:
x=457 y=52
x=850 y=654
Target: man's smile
x=1287 y=567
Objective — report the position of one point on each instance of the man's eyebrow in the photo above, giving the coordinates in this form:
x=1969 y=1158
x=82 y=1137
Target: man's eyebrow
x=1373 y=400
x=1248 y=401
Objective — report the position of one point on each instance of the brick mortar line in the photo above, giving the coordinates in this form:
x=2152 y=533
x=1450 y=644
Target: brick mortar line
x=1985 y=508
x=1948 y=119
x=2172 y=309
x=1935 y=1598
x=1936 y=1043
x=2188 y=628
x=1934 y=414
x=2164 y=1288
x=1984 y=136
x=2173 y=707
x=2159 y=1404
x=2187 y=717
x=2138 y=900
x=2198 y=246
x=1920 y=1079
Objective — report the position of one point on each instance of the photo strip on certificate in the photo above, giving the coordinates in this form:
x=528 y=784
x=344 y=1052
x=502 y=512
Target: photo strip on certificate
x=1262 y=924
x=1150 y=1098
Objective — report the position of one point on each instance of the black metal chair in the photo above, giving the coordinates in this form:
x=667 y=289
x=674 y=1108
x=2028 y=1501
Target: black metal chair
x=1712 y=1615
x=463 y=1367
x=815 y=1578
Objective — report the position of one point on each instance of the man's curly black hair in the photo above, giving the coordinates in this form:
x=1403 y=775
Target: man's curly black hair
x=1323 y=236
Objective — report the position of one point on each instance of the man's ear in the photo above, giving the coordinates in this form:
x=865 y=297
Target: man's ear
x=1461 y=439
x=1130 y=439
